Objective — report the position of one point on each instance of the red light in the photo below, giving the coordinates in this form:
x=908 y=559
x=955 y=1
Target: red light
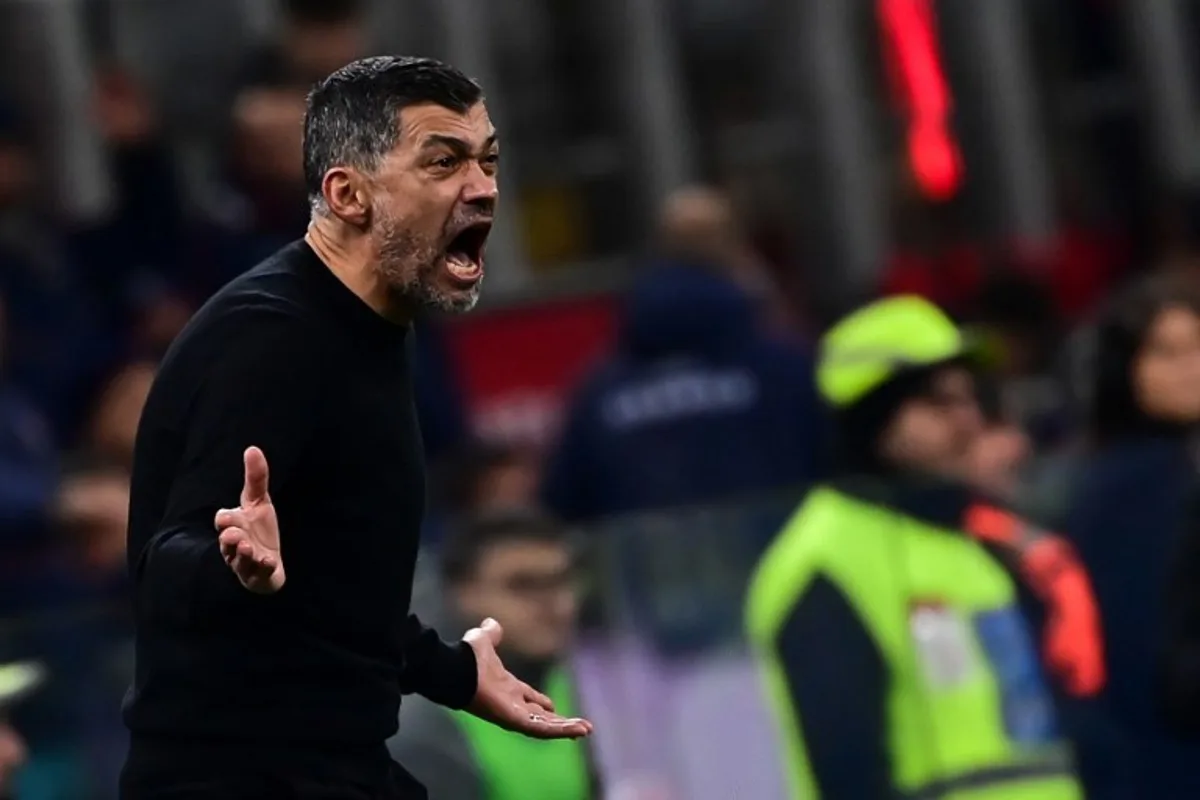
x=923 y=94
x=935 y=161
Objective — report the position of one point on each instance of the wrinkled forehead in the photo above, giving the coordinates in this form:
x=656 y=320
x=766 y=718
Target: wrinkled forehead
x=429 y=124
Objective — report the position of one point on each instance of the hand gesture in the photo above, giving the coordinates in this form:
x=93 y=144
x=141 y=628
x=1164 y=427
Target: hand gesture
x=249 y=534
x=503 y=700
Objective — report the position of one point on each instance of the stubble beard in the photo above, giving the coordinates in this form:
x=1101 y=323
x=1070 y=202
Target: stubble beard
x=410 y=267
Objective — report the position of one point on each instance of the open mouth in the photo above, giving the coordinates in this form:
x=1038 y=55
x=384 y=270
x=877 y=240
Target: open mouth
x=464 y=254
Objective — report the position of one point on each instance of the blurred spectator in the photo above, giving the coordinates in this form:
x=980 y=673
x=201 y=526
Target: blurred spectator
x=93 y=512
x=75 y=608
x=82 y=560
x=481 y=478
x=134 y=254
x=316 y=38
x=490 y=478
x=1131 y=502
x=28 y=468
x=698 y=225
x=873 y=606
x=517 y=567
x=1017 y=317
x=263 y=205
x=17 y=680
x=1000 y=452
x=698 y=402
x=112 y=428
x=54 y=340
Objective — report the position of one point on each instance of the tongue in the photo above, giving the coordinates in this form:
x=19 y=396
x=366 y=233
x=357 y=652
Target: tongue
x=460 y=266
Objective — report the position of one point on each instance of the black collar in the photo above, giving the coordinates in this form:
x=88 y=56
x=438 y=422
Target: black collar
x=345 y=306
x=936 y=501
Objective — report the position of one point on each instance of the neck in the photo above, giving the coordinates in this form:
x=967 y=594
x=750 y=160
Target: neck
x=350 y=256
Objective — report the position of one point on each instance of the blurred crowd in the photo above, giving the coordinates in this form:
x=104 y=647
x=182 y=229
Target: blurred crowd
x=705 y=396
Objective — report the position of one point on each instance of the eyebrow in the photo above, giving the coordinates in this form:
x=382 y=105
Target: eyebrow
x=461 y=147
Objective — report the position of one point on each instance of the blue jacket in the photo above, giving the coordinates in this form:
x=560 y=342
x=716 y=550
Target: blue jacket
x=1128 y=512
x=697 y=403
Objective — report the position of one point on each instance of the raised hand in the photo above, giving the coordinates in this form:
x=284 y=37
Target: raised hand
x=249 y=534
x=510 y=703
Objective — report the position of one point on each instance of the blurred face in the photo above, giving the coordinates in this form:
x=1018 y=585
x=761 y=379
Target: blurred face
x=937 y=432
x=997 y=457
x=530 y=588
x=12 y=756
x=94 y=509
x=512 y=484
x=269 y=144
x=114 y=423
x=1166 y=373
x=432 y=203
x=700 y=222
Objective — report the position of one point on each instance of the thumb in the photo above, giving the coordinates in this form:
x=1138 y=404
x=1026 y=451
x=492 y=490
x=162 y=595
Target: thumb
x=255 y=487
x=493 y=630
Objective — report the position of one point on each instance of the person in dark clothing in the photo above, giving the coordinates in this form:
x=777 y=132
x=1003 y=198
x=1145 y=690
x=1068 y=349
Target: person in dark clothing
x=695 y=405
x=702 y=399
x=134 y=253
x=55 y=341
x=1132 y=503
x=272 y=652
x=260 y=201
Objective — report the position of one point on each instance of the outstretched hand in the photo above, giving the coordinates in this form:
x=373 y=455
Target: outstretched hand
x=514 y=705
x=249 y=534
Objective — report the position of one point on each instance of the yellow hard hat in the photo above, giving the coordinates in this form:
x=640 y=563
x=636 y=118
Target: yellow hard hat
x=869 y=347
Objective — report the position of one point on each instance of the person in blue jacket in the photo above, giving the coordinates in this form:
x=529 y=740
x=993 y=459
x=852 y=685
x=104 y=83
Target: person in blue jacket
x=698 y=402
x=1132 y=504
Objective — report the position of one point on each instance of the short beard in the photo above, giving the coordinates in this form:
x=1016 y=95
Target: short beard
x=410 y=269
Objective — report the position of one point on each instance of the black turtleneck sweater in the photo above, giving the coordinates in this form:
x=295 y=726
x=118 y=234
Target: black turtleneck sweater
x=287 y=358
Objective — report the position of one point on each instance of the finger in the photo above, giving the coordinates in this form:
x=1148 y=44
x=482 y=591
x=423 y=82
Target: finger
x=251 y=566
x=255 y=488
x=229 y=540
x=230 y=518
x=534 y=696
x=493 y=630
x=555 y=727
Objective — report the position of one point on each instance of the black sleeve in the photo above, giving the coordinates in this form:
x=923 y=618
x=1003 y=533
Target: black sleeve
x=442 y=673
x=263 y=388
x=838 y=682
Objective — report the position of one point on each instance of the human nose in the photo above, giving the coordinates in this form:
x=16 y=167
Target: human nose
x=480 y=186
